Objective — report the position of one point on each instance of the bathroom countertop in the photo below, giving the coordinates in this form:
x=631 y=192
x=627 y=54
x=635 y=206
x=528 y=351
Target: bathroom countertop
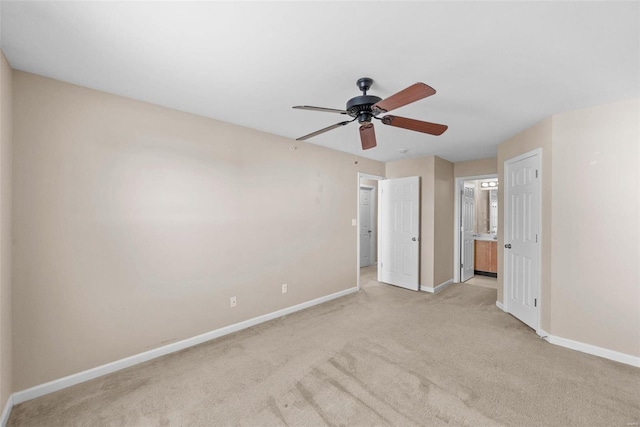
x=486 y=237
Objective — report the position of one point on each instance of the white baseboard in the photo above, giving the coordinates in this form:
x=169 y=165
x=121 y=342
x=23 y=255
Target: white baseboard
x=605 y=353
x=6 y=411
x=499 y=305
x=438 y=288
x=59 y=384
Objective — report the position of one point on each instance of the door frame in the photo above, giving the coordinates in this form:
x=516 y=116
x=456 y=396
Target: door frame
x=362 y=175
x=457 y=220
x=506 y=222
x=374 y=233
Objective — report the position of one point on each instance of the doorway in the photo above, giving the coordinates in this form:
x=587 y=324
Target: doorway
x=476 y=238
x=367 y=225
x=396 y=249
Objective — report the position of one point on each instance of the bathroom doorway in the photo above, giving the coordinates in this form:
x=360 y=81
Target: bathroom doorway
x=476 y=240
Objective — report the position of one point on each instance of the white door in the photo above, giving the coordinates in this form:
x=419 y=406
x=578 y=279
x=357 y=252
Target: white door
x=366 y=228
x=468 y=241
x=521 y=253
x=399 y=231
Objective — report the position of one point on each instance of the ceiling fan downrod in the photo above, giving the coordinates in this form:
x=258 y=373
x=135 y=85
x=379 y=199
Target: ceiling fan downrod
x=364 y=83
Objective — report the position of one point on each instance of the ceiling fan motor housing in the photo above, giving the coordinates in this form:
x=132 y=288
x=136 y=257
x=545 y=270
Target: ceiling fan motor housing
x=360 y=107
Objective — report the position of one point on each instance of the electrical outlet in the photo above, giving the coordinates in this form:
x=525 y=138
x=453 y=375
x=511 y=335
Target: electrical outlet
x=284 y=288
x=233 y=302
x=354 y=222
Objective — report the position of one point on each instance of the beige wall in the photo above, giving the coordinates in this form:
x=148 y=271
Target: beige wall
x=596 y=217
x=476 y=167
x=6 y=143
x=590 y=284
x=436 y=214
x=135 y=224
x=538 y=136
x=444 y=191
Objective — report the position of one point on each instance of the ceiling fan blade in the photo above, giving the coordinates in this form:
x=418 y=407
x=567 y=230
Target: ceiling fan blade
x=407 y=96
x=417 y=125
x=328 y=110
x=327 y=129
x=367 y=136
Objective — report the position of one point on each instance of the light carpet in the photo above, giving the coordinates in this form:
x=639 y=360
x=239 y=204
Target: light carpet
x=484 y=281
x=382 y=356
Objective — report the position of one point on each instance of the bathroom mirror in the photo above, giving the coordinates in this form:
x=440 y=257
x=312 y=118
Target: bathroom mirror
x=493 y=212
x=486 y=210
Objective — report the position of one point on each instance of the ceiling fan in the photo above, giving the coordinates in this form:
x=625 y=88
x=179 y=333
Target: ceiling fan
x=366 y=107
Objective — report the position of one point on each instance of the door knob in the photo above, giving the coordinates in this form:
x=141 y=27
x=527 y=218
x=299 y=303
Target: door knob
x=369 y=231
x=508 y=246
x=414 y=239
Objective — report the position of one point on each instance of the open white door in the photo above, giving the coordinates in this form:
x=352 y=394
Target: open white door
x=399 y=231
x=467 y=260
x=521 y=253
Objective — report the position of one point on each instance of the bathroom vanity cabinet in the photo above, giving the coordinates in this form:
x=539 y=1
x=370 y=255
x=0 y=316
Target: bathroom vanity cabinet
x=486 y=256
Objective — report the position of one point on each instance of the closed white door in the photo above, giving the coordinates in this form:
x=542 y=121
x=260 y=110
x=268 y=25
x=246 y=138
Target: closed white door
x=399 y=231
x=521 y=253
x=467 y=259
x=366 y=228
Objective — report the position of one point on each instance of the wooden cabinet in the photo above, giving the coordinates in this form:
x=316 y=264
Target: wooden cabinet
x=486 y=256
x=494 y=257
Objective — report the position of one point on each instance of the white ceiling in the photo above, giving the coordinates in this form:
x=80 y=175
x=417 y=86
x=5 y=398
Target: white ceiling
x=498 y=67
